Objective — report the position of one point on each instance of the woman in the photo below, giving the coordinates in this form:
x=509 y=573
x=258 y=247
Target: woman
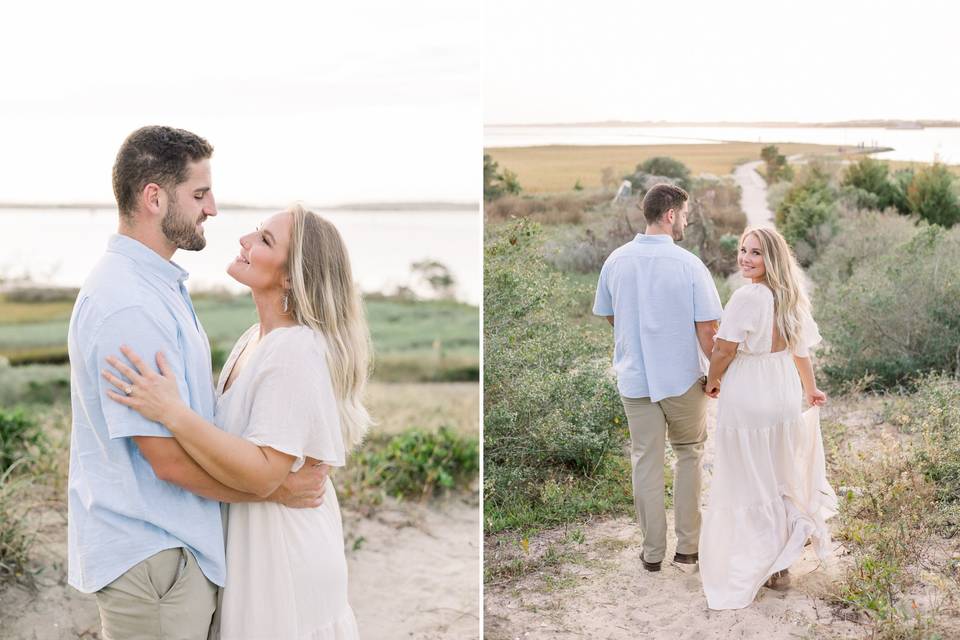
x=290 y=390
x=769 y=490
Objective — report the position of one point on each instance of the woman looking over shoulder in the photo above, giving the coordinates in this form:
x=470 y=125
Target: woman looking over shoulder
x=769 y=491
x=290 y=391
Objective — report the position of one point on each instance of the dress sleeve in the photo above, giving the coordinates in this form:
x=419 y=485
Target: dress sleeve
x=809 y=337
x=294 y=408
x=740 y=317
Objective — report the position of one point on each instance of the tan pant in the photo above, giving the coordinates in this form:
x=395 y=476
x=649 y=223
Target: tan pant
x=684 y=419
x=165 y=596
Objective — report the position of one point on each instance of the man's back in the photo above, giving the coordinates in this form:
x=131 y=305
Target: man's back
x=656 y=291
x=119 y=511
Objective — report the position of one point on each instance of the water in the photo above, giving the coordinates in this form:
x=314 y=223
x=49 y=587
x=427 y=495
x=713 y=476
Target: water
x=919 y=145
x=60 y=246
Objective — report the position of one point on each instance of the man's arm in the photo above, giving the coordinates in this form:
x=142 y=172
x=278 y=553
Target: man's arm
x=706 y=332
x=610 y=320
x=303 y=489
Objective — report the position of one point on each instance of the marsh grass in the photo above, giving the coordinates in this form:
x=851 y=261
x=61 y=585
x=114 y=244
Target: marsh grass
x=557 y=168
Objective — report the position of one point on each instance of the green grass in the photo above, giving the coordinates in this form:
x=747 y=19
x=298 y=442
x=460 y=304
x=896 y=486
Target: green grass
x=413 y=340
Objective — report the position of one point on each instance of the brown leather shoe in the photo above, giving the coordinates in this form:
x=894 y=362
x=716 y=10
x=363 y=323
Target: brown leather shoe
x=649 y=566
x=686 y=558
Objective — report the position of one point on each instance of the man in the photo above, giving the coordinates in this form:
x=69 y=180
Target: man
x=664 y=307
x=144 y=529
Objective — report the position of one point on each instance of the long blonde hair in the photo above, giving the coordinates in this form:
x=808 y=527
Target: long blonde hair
x=325 y=299
x=784 y=278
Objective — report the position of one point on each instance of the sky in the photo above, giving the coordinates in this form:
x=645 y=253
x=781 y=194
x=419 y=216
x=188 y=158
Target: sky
x=737 y=60
x=324 y=102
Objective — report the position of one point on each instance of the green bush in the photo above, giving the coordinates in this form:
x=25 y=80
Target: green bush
x=553 y=427
x=415 y=464
x=20 y=438
x=808 y=214
x=496 y=184
x=888 y=309
x=932 y=196
x=873 y=187
x=663 y=166
x=16 y=536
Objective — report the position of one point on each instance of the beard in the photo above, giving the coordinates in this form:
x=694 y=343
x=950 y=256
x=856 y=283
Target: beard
x=182 y=233
x=677 y=231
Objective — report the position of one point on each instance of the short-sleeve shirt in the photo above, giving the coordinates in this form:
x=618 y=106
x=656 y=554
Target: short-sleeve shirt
x=119 y=512
x=656 y=291
x=748 y=319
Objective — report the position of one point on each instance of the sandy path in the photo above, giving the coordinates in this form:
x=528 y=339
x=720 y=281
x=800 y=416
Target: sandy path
x=753 y=194
x=413 y=575
x=601 y=591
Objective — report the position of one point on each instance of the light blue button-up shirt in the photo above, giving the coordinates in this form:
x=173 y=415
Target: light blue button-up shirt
x=655 y=291
x=120 y=513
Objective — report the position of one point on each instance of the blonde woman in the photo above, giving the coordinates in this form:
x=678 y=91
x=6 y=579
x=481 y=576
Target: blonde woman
x=290 y=391
x=769 y=491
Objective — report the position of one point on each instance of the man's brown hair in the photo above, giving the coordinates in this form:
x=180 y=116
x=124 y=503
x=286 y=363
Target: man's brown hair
x=660 y=199
x=154 y=154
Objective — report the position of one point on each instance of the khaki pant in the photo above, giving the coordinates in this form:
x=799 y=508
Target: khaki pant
x=684 y=419
x=165 y=596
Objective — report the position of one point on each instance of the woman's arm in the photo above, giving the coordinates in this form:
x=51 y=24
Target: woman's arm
x=814 y=396
x=234 y=461
x=723 y=354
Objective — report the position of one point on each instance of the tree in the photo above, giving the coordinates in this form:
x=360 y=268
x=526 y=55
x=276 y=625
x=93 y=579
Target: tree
x=496 y=184
x=807 y=216
x=777 y=168
x=931 y=195
x=873 y=177
x=668 y=167
x=437 y=276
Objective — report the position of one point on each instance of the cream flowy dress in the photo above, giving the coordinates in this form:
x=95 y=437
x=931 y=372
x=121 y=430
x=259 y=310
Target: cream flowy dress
x=769 y=491
x=286 y=569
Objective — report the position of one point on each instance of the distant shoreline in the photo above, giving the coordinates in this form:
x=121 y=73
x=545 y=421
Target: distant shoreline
x=399 y=207
x=848 y=124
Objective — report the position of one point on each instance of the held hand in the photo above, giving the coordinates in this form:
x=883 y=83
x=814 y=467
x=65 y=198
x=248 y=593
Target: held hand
x=305 y=488
x=153 y=395
x=816 y=398
x=712 y=389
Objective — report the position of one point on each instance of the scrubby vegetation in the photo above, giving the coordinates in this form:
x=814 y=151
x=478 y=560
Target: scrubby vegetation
x=553 y=424
x=899 y=516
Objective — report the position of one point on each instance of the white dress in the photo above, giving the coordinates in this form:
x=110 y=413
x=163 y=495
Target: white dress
x=769 y=491
x=286 y=569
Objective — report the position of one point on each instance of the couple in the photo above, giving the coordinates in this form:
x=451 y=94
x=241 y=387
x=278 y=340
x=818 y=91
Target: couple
x=156 y=449
x=769 y=491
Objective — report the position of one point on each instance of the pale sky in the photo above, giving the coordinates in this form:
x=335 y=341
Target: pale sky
x=739 y=60
x=325 y=102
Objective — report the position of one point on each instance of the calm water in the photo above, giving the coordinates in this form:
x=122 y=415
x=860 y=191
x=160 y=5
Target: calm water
x=922 y=145
x=61 y=246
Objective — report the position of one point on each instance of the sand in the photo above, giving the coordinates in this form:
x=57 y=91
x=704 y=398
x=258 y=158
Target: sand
x=414 y=573
x=600 y=591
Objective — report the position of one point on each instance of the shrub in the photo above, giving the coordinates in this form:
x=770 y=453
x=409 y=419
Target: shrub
x=418 y=463
x=496 y=184
x=777 y=169
x=20 y=438
x=567 y=208
x=660 y=166
x=551 y=410
x=715 y=223
x=890 y=309
x=807 y=216
x=872 y=186
x=931 y=195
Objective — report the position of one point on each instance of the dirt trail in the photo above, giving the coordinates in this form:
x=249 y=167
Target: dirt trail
x=413 y=574
x=600 y=591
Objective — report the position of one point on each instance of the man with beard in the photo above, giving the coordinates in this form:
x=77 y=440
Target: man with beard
x=144 y=528
x=664 y=307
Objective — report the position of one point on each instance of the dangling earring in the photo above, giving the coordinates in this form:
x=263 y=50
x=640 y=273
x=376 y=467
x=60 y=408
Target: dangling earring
x=286 y=302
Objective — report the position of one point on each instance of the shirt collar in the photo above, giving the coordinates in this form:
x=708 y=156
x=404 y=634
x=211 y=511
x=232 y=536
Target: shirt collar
x=658 y=237
x=145 y=257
